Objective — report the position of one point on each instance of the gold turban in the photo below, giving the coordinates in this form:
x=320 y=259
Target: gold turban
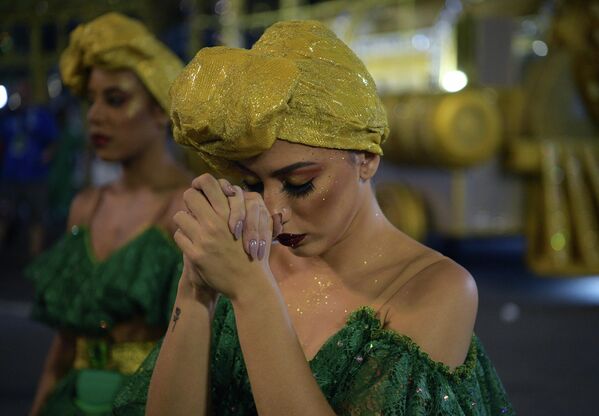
x=114 y=41
x=298 y=83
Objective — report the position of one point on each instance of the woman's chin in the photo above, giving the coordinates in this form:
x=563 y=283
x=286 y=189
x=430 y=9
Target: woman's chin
x=106 y=156
x=305 y=249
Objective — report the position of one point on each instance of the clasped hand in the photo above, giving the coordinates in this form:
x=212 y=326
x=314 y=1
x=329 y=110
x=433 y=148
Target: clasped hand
x=225 y=236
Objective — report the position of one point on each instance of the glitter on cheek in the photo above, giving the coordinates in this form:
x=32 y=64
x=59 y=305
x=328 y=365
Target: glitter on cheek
x=135 y=106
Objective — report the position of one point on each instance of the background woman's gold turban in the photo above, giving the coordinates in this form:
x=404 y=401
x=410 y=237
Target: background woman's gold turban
x=114 y=41
x=298 y=83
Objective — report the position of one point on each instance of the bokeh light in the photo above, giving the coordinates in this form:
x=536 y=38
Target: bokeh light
x=3 y=96
x=454 y=81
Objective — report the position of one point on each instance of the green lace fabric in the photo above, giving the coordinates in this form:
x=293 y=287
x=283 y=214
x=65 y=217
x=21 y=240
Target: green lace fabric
x=75 y=291
x=362 y=370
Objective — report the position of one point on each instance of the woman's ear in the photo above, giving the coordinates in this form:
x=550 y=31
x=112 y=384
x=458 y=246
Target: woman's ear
x=369 y=164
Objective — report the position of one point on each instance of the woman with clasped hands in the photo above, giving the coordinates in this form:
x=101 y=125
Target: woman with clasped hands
x=343 y=313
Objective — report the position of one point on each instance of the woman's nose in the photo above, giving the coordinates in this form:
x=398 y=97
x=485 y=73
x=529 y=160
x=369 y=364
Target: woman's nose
x=277 y=206
x=279 y=218
x=95 y=113
x=284 y=213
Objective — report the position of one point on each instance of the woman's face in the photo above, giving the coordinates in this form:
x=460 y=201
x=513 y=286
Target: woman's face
x=318 y=192
x=123 y=119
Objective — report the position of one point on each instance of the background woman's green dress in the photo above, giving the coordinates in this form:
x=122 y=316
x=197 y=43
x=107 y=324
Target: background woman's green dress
x=75 y=292
x=362 y=370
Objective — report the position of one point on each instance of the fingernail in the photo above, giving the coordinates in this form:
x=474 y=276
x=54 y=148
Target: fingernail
x=261 y=249
x=238 y=229
x=253 y=249
x=230 y=190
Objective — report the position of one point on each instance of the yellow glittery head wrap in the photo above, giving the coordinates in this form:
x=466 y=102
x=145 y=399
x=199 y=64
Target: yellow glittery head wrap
x=298 y=83
x=114 y=41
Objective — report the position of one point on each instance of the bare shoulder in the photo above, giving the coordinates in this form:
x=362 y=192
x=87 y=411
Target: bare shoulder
x=445 y=282
x=81 y=206
x=437 y=309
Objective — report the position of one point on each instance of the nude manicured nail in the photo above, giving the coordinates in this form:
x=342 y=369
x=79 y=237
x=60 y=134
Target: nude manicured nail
x=238 y=229
x=230 y=190
x=261 y=249
x=254 y=249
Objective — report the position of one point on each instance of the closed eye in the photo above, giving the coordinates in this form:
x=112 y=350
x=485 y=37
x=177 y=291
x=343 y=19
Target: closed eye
x=298 y=191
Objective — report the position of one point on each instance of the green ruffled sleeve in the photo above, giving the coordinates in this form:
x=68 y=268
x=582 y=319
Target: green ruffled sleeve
x=75 y=291
x=362 y=370
x=366 y=370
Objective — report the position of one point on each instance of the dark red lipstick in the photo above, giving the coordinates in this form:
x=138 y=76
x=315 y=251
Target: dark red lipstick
x=99 y=140
x=290 y=240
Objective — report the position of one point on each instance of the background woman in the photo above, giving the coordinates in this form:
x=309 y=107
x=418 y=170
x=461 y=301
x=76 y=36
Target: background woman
x=346 y=315
x=105 y=285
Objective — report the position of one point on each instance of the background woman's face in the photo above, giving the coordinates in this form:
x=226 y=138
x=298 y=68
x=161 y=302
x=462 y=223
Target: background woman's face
x=123 y=119
x=317 y=191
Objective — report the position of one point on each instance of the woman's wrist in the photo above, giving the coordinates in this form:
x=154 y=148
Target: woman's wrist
x=260 y=290
x=200 y=294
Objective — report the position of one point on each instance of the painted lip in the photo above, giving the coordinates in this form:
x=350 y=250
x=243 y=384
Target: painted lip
x=290 y=240
x=99 y=140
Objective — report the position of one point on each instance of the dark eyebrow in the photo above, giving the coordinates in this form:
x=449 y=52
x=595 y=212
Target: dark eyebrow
x=109 y=90
x=291 y=168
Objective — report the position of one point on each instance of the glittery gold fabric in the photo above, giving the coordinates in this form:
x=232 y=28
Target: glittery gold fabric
x=124 y=357
x=114 y=41
x=298 y=83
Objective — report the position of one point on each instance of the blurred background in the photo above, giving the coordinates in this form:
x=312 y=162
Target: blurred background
x=493 y=160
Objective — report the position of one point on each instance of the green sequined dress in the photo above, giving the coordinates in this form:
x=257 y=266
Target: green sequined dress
x=78 y=293
x=362 y=370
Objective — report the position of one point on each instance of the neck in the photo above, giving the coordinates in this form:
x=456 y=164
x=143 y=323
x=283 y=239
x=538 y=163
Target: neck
x=364 y=242
x=148 y=168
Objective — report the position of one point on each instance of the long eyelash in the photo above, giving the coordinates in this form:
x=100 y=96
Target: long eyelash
x=299 y=191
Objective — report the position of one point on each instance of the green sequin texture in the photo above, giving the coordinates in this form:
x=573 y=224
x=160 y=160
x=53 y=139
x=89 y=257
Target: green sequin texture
x=74 y=291
x=362 y=370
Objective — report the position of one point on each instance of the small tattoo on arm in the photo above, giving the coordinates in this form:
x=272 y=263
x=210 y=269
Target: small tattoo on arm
x=176 y=316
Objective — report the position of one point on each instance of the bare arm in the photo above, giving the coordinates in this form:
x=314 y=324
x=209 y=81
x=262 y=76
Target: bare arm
x=282 y=383
x=180 y=382
x=281 y=379
x=58 y=362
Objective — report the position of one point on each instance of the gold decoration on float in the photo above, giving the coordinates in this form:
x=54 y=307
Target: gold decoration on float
x=562 y=223
x=452 y=130
x=404 y=208
x=555 y=147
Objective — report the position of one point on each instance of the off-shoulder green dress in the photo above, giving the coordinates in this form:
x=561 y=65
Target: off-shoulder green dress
x=77 y=293
x=362 y=369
